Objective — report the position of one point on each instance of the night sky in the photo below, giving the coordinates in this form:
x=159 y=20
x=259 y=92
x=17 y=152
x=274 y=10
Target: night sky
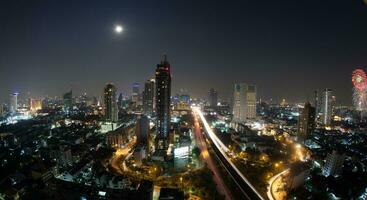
x=287 y=48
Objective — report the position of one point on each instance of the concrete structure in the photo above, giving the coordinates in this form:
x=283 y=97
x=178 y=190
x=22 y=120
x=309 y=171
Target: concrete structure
x=326 y=108
x=213 y=97
x=306 y=122
x=334 y=164
x=13 y=108
x=163 y=103
x=148 y=97
x=244 y=102
x=142 y=131
x=110 y=103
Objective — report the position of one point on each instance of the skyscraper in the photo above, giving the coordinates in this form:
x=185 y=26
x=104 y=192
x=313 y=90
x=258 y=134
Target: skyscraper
x=142 y=131
x=35 y=105
x=326 y=107
x=120 y=101
x=306 y=122
x=148 y=97
x=244 y=102
x=110 y=103
x=213 y=97
x=14 y=102
x=135 y=93
x=163 y=95
x=68 y=102
x=334 y=164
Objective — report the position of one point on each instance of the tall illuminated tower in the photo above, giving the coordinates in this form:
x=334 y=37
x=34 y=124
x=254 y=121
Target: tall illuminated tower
x=306 y=122
x=163 y=95
x=327 y=107
x=68 y=102
x=148 y=97
x=213 y=97
x=244 y=102
x=110 y=103
x=14 y=102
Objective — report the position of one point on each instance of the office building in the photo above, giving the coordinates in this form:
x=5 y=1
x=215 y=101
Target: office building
x=213 y=97
x=163 y=96
x=35 y=105
x=244 y=102
x=115 y=139
x=148 y=97
x=142 y=131
x=135 y=93
x=306 y=122
x=334 y=164
x=1 y=110
x=68 y=102
x=110 y=103
x=120 y=101
x=326 y=107
x=13 y=108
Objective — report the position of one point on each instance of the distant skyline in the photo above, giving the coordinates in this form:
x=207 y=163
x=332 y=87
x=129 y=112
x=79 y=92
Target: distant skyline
x=286 y=48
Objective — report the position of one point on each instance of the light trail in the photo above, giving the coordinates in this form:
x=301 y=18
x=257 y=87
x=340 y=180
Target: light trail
x=223 y=150
x=271 y=183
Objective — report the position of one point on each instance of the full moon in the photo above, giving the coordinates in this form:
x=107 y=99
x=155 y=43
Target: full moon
x=118 y=29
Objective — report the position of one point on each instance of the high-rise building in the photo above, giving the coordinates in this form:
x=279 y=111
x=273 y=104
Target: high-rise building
x=120 y=101
x=1 y=110
x=326 y=107
x=13 y=102
x=316 y=101
x=142 y=131
x=334 y=164
x=213 y=97
x=148 y=97
x=68 y=102
x=163 y=95
x=135 y=93
x=110 y=103
x=35 y=105
x=244 y=102
x=306 y=122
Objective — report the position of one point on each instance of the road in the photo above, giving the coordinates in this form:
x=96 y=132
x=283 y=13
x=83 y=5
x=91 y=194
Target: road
x=247 y=189
x=222 y=188
x=120 y=154
x=275 y=189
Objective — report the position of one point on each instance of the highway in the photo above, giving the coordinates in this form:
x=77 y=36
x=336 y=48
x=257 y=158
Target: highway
x=221 y=186
x=246 y=188
x=275 y=189
x=119 y=156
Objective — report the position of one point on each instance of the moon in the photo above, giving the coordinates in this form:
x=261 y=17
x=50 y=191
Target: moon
x=118 y=29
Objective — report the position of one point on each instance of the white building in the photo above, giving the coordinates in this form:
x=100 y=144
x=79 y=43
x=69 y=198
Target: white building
x=326 y=107
x=14 y=102
x=244 y=102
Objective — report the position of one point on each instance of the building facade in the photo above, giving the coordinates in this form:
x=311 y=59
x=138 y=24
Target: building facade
x=326 y=107
x=148 y=97
x=142 y=131
x=163 y=103
x=213 y=97
x=306 y=122
x=334 y=164
x=13 y=108
x=244 y=102
x=110 y=103
x=68 y=102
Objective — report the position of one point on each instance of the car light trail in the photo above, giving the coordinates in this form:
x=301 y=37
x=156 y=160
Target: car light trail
x=223 y=149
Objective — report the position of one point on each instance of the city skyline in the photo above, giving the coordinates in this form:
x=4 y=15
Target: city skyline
x=59 y=53
x=183 y=100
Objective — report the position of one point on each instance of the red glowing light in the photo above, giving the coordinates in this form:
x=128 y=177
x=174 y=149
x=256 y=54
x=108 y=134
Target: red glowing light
x=359 y=79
